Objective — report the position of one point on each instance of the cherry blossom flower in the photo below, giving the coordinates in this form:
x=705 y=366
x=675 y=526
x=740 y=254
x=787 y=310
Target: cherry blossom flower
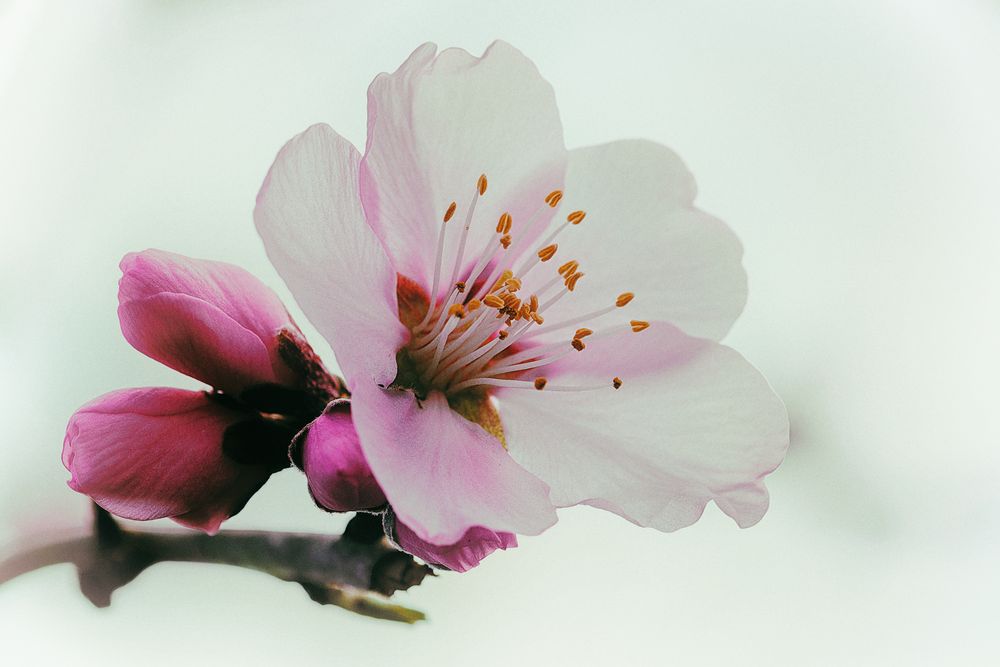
x=522 y=327
x=196 y=456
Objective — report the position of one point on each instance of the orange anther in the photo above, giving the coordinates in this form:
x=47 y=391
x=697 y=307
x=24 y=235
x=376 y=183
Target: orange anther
x=504 y=277
x=576 y=217
x=458 y=310
x=572 y=280
x=616 y=382
x=504 y=223
x=450 y=212
x=568 y=268
x=474 y=304
x=553 y=198
x=624 y=298
x=578 y=344
x=546 y=253
x=540 y=383
x=460 y=286
x=481 y=184
x=537 y=318
x=582 y=333
x=512 y=284
x=493 y=301
x=505 y=241
x=503 y=333
x=638 y=325
x=534 y=303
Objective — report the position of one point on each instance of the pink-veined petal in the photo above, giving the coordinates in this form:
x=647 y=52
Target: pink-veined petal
x=462 y=556
x=157 y=452
x=435 y=125
x=692 y=422
x=309 y=215
x=442 y=473
x=643 y=234
x=329 y=453
x=210 y=320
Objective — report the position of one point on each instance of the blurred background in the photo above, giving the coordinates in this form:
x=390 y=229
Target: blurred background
x=853 y=146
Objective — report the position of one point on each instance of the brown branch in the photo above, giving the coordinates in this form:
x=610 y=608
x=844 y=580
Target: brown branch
x=351 y=571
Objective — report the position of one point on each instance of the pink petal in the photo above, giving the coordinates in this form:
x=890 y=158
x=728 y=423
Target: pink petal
x=442 y=473
x=330 y=455
x=692 y=422
x=643 y=234
x=436 y=124
x=309 y=215
x=210 y=320
x=462 y=556
x=153 y=453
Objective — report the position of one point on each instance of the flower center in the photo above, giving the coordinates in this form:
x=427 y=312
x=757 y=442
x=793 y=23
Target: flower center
x=485 y=331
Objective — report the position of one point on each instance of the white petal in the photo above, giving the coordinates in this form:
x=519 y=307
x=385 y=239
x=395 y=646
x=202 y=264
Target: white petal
x=692 y=422
x=309 y=215
x=434 y=126
x=642 y=234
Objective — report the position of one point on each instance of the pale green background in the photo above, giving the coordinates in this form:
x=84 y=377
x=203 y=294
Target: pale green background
x=852 y=145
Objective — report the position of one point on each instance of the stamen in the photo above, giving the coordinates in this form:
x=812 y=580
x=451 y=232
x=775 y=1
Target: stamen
x=504 y=369
x=465 y=343
x=523 y=239
x=471 y=344
x=504 y=223
x=533 y=353
x=548 y=304
x=480 y=191
x=471 y=364
x=442 y=341
x=619 y=303
x=573 y=218
x=528 y=384
x=504 y=277
x=548 y=252
x=547 y=287
x=437 y=266
x=493 y=301
x=569 y=267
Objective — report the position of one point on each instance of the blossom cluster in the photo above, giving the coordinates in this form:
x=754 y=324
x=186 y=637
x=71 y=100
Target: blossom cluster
x=519 y=328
